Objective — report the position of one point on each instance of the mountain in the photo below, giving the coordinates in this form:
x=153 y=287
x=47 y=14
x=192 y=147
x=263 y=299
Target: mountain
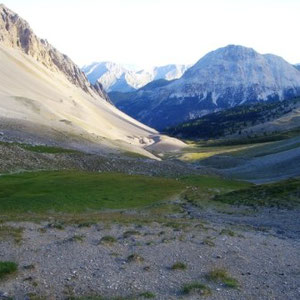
x=46 y=99
x=297 y=66
x=16 y=33
x=222 y=79
x=118 y=78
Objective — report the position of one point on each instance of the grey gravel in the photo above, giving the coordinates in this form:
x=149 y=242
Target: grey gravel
x=266 y=266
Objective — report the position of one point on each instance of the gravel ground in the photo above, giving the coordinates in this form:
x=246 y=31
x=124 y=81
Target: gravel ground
x=279 y=222
x=72 y=261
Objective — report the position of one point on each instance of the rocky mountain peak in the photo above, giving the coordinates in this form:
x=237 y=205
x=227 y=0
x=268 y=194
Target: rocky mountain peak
x=241 y=66
x=15 y=32
x=235 y=52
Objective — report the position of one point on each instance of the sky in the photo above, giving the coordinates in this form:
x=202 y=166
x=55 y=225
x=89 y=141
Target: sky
x=159 y=32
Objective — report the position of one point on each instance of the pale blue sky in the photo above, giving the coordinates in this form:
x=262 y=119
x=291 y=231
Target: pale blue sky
x=157 y=32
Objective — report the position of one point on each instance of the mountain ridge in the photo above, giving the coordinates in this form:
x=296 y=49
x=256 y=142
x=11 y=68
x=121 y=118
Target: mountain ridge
x=223 y=78
x=16 y=32
x=119 y=78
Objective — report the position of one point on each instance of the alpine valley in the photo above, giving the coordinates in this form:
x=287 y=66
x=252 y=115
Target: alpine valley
x=95 y=204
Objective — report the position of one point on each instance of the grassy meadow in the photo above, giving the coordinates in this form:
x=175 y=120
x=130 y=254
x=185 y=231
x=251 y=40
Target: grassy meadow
x=75 y=191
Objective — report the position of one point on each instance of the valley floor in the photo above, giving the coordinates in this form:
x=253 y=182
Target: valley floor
x=89 y=227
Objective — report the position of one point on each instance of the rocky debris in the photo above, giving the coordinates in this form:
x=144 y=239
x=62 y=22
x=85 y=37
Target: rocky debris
x=14 y=158
x=265 y=266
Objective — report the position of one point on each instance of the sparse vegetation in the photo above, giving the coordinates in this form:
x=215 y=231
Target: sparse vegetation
x=56 y=225
x=222 y=276
x=108 y=239
x=85 y=224
x=130 y=233
x=227 y=232
x=46 y=149
x=177 y=226
x=77 y=238
x=284 y=194
x=179 y=266
x=40 y=148
x=86 y=298
x=29 y=267
x=209 y=242
x=9 y=232
x=147 y=295
x=196 y=288
x=135 y=258
x=34 y=296
x=6 y=268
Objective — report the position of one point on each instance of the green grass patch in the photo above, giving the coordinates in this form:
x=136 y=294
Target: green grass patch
x=6 y=268
x=179 y=266
x=77 y=238
x=134 y=154
x=40 y=148
x=86 y=298
x=196 y=288
x=78 y=192
x=108 y=239
x=130 y=233
x=46 y=149
x=147 y=295
x=135 y=258
x=209 y=242
x=177 y=226
x=222 y=276
x=284 y=194
x=227 y=232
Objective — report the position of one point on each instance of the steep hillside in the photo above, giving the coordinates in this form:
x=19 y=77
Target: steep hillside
x=222 y=79
x=16 y=33
x=238 y=120
x=45 y=98
x=118 y=78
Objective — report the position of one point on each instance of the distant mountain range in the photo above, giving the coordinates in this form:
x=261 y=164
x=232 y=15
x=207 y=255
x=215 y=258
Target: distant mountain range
x=222 y=79
x=121 y=78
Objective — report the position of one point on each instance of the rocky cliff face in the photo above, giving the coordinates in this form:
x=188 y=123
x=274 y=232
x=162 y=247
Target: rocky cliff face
x=224 y=78
x=117 y=78
x=16 y=32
